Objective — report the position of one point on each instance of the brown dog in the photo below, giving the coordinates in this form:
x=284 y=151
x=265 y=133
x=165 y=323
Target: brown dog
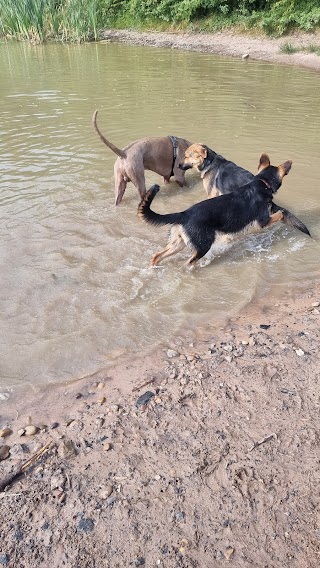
x=160 y=154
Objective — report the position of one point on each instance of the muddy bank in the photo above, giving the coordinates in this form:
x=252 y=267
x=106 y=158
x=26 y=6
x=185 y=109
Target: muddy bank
x=226 y=43
x=210 y=456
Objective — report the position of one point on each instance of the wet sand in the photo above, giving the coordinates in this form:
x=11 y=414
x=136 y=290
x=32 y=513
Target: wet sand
x=217 y=464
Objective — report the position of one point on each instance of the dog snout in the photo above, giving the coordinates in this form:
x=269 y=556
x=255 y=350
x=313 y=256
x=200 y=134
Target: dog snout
x=183 y=166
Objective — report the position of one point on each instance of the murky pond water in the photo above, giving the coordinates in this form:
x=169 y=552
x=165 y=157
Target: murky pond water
x=76 y=291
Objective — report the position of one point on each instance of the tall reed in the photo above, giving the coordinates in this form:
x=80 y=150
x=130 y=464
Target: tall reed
x=37 y=20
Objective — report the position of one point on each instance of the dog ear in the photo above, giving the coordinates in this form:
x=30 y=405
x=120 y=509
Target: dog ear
x=285 y=168
x=264 y=162
x=203 y=151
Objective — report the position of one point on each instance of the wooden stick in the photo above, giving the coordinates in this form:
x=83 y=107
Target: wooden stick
x=11 y=478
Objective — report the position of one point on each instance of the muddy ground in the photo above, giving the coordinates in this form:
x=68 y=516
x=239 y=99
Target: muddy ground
x=217 y=464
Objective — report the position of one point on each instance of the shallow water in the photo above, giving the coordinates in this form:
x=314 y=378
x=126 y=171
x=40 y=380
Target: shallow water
x=76 y=292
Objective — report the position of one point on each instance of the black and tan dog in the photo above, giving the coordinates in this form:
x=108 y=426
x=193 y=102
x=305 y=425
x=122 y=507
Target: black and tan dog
x=246 y=210
x=160 y=154
x=220 y=176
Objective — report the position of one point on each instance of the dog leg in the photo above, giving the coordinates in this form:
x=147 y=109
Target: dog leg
x=175 y=245
x=120 y=187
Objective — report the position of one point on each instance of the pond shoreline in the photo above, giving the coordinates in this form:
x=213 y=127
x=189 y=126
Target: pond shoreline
x=227 y=44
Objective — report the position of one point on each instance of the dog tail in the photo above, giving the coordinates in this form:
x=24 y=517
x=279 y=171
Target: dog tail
x=149 y=216
x=112 y=147
x=293 y=221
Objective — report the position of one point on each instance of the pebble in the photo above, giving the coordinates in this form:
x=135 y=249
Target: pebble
x=85 y=525
x=315 y=304
x=228 y=552
x=4 y=432
x=228 y=358
x=101 y=400
x=107 y=446
x=140 y=561
x=245 y=56
x=111 y=500
x=104 y=493
x=4 y=452
x=66 y=449
x=100 y=386
x=54 y=425
x=144 y=398
x=4 y=559
x=299 y=352
x=114 y=407
x=21 y=432
x=31 y=430
x=171 y=353
x=180 y=516
x=58 y=480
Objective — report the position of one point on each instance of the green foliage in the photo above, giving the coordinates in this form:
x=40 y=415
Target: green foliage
x=79 y=20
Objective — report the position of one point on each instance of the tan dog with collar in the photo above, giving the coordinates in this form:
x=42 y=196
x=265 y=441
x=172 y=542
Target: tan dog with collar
x=159 y=154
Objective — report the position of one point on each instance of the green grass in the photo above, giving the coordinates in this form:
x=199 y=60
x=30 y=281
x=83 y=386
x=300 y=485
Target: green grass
x=288 y=48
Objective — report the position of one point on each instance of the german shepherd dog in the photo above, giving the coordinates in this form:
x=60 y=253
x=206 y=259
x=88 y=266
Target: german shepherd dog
x=248 y=209
x=221 y=176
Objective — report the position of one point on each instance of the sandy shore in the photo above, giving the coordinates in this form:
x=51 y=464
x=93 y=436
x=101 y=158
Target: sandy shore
x=228 y=44
x=217 y=463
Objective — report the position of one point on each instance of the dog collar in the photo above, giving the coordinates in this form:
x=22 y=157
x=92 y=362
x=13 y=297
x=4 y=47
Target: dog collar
x=175 y=146
x=266 y=183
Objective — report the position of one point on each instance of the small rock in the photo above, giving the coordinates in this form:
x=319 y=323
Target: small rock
x=66 y=449
x=4 y=432
x=299 y=352
x=157 y=477
x=4 y=559
x=228 y=358
x=144 y=398
x=4 y=452
x=114 y=407
x=171 y=353
x=101 y=400
x=315 y=304
x=264 y=326
x=54 y=425
x=245 y=56
x=31 y=430
x=100 y=386
x=58 y=480
x=107 y=446
x=104 y=493
x=21 y=432
x=85 y=525
x=78 y=395
x=251 y=341
x=228 y=552
x=180 y=516
x=140 y=561
x=111 y=500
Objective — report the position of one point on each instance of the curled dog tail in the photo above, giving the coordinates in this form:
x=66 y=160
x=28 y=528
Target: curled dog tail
x=292 y=221
x=149 y=216
x=112 y=147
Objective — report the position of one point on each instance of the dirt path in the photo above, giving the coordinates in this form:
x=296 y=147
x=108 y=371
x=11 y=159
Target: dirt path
x=227 y=43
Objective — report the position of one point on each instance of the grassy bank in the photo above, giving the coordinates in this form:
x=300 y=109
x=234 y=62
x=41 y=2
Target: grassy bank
x=80 y=20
